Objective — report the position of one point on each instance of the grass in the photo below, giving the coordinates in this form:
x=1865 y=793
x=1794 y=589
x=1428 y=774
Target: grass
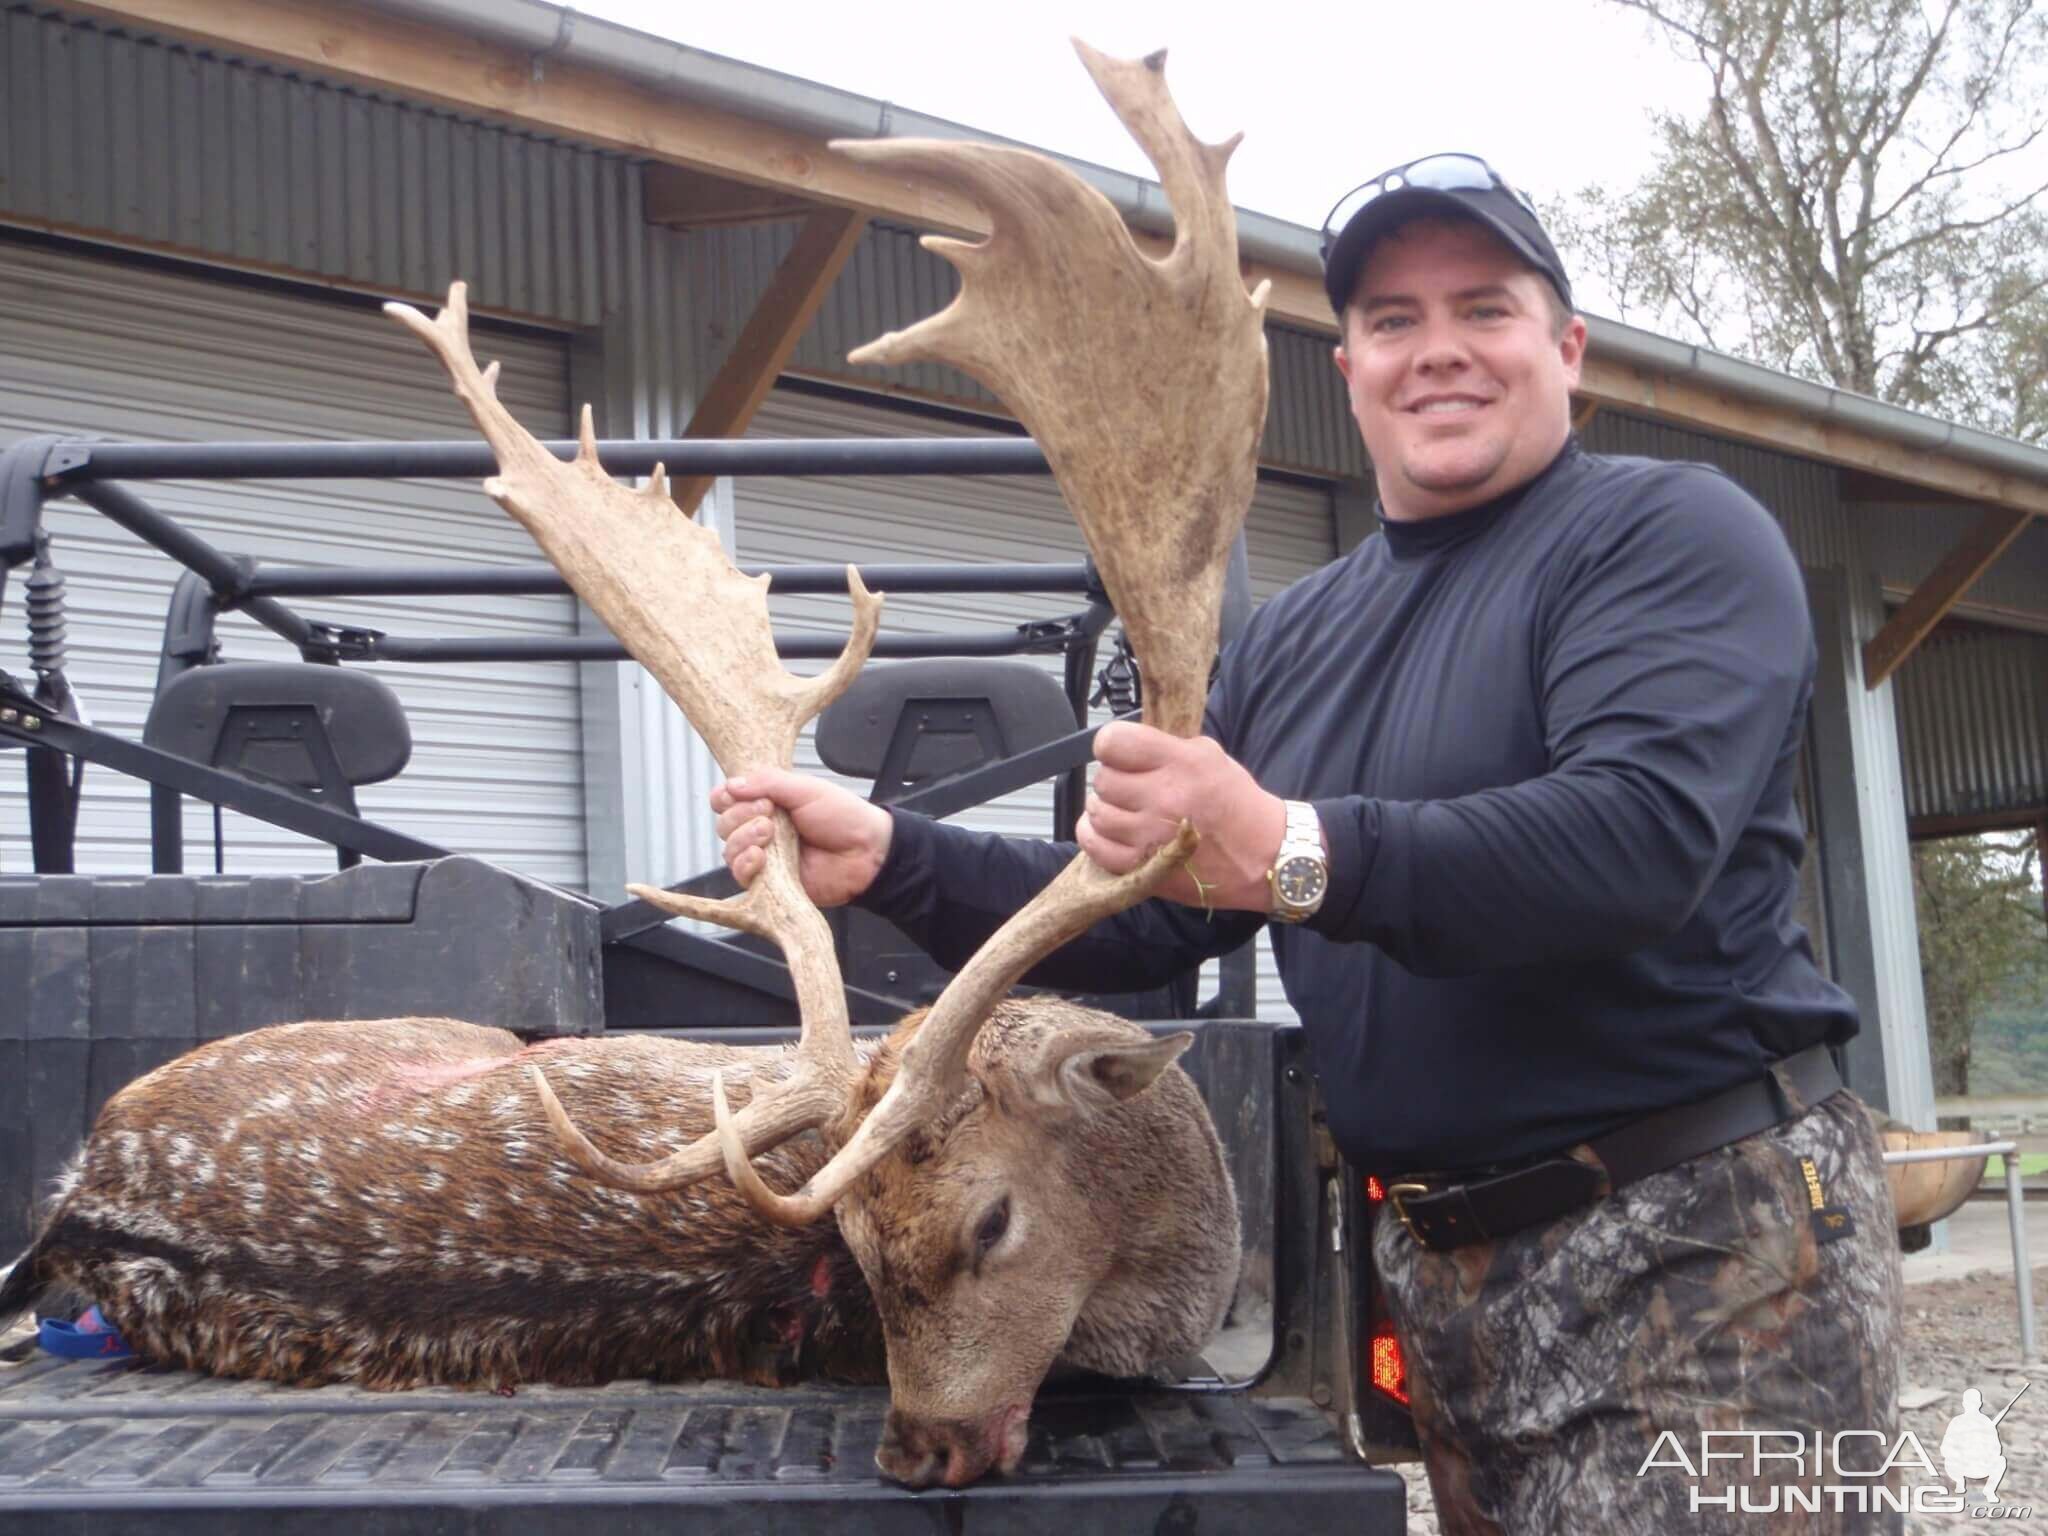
x=2033 y=1165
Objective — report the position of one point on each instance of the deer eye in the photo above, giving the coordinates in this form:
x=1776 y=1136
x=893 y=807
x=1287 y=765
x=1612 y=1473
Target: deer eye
x=992 y=1228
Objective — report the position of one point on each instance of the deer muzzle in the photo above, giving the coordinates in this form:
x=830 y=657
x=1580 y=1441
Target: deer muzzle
x=921 y=1452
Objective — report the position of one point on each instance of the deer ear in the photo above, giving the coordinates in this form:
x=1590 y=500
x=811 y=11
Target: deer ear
x=1087 y=1071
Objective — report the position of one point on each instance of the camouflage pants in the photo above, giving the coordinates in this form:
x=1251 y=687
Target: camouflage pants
x=1752 y=1288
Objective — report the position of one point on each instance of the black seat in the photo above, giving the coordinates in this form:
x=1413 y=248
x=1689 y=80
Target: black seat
x=315 y=729
x=909 y=723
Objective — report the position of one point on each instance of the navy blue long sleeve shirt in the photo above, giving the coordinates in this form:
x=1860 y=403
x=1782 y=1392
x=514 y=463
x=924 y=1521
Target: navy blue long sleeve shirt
x=1553 y=742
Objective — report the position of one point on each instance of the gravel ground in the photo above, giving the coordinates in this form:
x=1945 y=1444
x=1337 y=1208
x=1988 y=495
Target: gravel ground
x=1965 y=1333
x=1959 y=1334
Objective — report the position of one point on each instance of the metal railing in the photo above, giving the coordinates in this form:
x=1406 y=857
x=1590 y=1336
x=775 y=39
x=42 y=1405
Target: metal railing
x=2016 y=1218
x=43 y=716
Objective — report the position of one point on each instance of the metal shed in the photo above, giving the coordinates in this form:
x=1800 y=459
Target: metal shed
x=664 y=233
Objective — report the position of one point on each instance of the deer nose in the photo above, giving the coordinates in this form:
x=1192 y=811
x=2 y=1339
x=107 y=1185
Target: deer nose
x=907 y=1453
x=918 y=1453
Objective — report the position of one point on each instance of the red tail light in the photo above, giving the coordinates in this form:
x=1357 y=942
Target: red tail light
x=1389 y=1370
x=1386 y=1369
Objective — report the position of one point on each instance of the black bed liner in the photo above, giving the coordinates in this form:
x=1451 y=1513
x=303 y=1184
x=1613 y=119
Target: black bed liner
x=88 y=1448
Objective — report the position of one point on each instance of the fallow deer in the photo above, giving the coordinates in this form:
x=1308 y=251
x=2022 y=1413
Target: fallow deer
x=1011 y=1184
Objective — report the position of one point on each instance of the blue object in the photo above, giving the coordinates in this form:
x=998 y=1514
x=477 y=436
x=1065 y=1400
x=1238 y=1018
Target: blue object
x=92 y=1337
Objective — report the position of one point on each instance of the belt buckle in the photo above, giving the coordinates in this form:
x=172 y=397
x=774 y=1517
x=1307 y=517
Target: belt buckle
x=1396 y=1194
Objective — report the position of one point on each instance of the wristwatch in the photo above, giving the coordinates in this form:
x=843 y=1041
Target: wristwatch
x=1300 y=873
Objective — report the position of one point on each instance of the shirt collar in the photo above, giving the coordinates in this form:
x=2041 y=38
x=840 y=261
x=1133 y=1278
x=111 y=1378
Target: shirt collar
x=1412 y=538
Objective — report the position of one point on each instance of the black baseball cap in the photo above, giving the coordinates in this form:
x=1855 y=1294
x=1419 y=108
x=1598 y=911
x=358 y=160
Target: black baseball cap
x=1455 y=183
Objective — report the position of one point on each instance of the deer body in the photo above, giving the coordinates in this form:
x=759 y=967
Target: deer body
x=381 y=1203
x=384 y=1203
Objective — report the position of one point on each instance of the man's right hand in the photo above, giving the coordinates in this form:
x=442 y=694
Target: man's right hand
x=844 y=839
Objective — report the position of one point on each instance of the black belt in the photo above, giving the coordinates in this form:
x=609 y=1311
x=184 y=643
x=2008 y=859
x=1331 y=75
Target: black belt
x=1451 y=1215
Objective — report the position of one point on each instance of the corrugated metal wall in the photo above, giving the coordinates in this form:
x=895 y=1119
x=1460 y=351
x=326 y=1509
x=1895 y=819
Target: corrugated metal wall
x=1973 y=724
x=1308 y=424
x=139 y=141
x=158 y=144
x=892 y=282
x=96 y=346
x=994 y=518
x=220 y=158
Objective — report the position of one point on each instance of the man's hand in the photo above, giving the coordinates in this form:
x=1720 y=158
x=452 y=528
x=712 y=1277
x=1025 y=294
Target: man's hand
x=1147 y=783
x=844 y=838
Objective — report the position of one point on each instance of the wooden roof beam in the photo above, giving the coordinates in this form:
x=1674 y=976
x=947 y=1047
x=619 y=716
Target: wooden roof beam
x=1886 y=651
x=765 y=344
x=677 y=198
x=1688 y=402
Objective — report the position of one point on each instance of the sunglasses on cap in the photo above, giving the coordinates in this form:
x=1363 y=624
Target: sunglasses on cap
x=1438 y=173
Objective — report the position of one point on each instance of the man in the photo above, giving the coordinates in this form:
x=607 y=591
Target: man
x=1515 y=782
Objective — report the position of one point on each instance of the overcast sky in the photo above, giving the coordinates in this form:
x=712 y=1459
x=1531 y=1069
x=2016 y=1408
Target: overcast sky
x=1555 y=93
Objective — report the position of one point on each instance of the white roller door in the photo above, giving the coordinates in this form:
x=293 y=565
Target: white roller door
x=140 y=353
x=967 y=519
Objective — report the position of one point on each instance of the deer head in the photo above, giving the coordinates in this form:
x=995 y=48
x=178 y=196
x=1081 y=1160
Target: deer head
x=1144 y=379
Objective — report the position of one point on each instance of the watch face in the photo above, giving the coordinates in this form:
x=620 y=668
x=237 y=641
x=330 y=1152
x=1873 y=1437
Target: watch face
x=1300 y=880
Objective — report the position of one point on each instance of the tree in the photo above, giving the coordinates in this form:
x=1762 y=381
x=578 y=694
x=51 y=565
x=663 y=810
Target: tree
x=1982 y=933
x=1851 y=205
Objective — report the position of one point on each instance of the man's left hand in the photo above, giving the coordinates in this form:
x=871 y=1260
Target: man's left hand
x=1147 y=783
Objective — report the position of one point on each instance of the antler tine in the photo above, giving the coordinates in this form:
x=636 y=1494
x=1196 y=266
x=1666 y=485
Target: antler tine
x=772 y=1117
x=664 y=586
x=1060 y=311
x=933 y=1069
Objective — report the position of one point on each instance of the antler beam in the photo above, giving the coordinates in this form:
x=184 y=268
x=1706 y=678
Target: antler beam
x=664 y=586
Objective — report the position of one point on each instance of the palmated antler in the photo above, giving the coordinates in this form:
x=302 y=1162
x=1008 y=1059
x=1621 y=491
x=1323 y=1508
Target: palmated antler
x=1144 y=380
x=664 y=586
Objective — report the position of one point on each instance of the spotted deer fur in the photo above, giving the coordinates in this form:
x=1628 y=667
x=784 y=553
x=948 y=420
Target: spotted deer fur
x=381 y=1203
